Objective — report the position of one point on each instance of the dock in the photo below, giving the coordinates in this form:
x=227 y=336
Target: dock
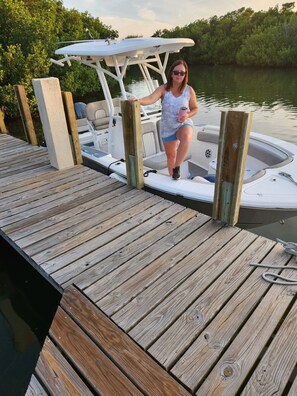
x=156 y=297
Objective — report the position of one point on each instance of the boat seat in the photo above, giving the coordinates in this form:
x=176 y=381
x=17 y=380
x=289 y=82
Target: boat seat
x=153 y=156
x=268 y=154
x=98 y=113
x=153 y=149
x=82 y=125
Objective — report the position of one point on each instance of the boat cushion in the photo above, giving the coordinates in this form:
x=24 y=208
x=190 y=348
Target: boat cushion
x=154 y=156
x=150 y=139
x=270 y=155
x=158 y=161
x=100 y=123
x=98 y=113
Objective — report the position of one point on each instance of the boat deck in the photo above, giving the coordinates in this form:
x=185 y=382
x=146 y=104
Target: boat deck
x=178 y=284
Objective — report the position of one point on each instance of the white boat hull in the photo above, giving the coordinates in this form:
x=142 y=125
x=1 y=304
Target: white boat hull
x=267 y=196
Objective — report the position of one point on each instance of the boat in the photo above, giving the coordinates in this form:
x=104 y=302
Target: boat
x=269 y=191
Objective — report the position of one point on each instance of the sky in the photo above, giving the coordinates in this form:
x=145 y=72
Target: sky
x=144 y=17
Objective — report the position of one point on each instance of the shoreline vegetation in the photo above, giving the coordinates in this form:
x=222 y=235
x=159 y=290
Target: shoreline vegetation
x=31 y=30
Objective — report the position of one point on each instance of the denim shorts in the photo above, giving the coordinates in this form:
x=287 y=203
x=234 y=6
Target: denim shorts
x=173 y=137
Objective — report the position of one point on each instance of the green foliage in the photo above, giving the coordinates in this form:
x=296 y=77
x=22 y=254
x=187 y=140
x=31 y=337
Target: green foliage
x=31 y=30
x=242 y=37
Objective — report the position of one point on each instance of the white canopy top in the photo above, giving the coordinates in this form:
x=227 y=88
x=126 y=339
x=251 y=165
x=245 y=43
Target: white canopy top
x=119 y=54
x=126 y=47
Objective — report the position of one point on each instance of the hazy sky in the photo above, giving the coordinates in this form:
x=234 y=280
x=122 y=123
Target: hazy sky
x=144 y=17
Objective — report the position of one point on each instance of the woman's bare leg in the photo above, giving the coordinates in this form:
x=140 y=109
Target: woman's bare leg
x=170 y=150
x=184 y=135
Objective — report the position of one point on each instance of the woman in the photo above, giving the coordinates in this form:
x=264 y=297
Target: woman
x=176 y=132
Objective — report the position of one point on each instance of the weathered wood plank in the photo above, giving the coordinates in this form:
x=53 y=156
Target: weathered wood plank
x=73 y=237
x=37 y=162
x=124 y=293
x=293 y=389
x=17 y=154
x=8 y=142
x=24 y=199
x=213 y=337
x=88 y=359
x=62 y=205
x=45 y=228
x=151 y=245
x=95 y=264
x=236 y=363
x=136 y=364
x=202 y=305
x=16 y=161
x=42 y=179
x=55 y=201
x=204 y=279
x=54 y=192
x=138 y=308
x=8 y=182
x=275 y=368
x=35 y=388
x=57 y=375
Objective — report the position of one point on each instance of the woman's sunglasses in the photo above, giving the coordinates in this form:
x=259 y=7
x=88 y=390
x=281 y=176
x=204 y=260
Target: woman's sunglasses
x=181 y=73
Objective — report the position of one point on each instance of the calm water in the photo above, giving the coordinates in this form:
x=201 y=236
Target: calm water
x=27 y=306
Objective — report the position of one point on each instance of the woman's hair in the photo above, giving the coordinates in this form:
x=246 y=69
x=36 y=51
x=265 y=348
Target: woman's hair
x=169 y=75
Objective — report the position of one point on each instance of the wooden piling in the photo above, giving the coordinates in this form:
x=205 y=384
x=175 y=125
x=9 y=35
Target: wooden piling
x=232 y=152
x=133 y=142
x=25 y=114
x=72 y=126
x=3 y=128
x=52 y=115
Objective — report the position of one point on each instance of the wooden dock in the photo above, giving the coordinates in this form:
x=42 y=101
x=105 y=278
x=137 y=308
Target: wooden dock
x=176 y=284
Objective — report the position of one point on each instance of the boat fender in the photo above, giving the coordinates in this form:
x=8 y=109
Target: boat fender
x=210 y=178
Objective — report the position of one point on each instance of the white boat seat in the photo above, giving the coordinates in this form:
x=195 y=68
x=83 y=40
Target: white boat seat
x=157 y=161
x=150 y=139
x=266 y=153
x=153 y=149
x=82 y=125
x=98 y=114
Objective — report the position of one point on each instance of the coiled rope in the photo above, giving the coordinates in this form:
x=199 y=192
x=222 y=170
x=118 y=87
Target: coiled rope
x=271 y=277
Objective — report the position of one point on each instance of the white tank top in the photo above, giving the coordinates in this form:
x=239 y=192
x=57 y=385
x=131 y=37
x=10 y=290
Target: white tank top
x=170 y=109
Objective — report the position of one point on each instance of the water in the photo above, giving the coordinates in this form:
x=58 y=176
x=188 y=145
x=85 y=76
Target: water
x=271 y=96
x=27 y=306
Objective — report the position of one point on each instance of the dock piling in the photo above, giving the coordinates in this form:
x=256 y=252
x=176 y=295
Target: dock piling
x=25 y=114
x=72 y=126
x=232 y=152
x=133 y=143
x=3 y=128
x=52 y=115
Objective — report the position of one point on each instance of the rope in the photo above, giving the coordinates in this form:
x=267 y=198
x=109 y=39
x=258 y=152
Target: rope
x=149 y=171
x=268 y=275
x=288 y=176
x=114 y=162
x=290 y=247
x=271 y=277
